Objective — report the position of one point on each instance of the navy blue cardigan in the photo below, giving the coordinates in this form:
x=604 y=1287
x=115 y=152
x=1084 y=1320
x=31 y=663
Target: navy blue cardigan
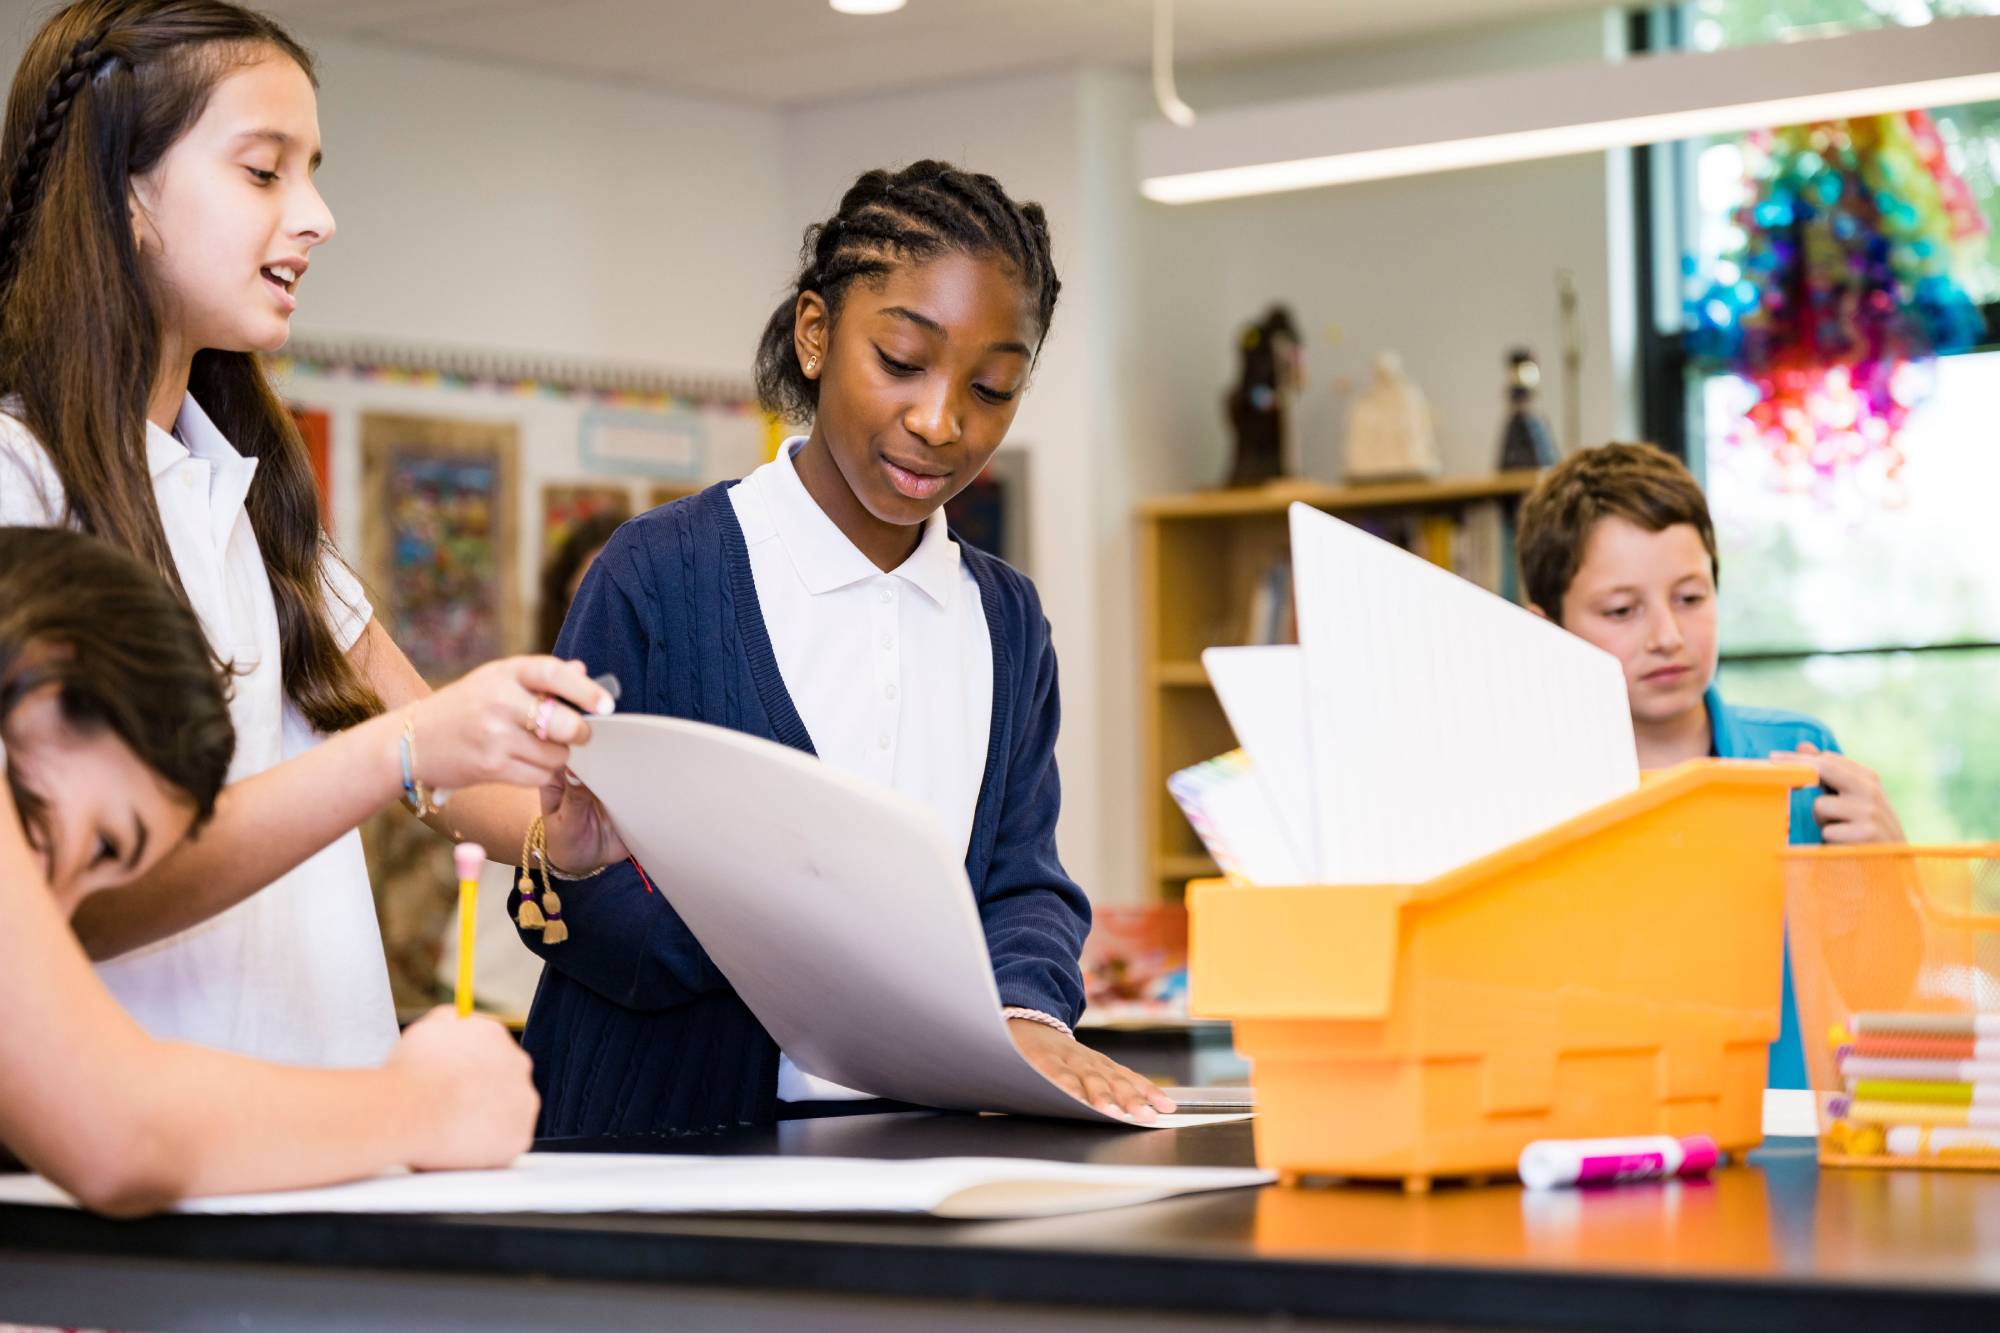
x=633 y=1029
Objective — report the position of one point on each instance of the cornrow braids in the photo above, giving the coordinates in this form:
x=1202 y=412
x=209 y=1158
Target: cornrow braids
x=925 y=210
x=24 y=189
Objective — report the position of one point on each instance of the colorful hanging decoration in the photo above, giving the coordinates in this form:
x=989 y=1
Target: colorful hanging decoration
x=1841 y=289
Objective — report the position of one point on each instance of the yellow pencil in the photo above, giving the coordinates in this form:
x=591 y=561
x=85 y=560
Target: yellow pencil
x=468 y=856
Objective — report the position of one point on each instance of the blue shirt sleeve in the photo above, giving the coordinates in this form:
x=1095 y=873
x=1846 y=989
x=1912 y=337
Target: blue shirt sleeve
x=1034 y=914
x=625 y=942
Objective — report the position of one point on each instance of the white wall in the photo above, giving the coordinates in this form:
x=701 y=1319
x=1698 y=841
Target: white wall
x=1449 y=270
x=489 y=207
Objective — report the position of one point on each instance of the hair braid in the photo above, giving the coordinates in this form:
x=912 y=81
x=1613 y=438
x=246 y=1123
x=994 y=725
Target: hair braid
x=25 y=189
x=927 y=209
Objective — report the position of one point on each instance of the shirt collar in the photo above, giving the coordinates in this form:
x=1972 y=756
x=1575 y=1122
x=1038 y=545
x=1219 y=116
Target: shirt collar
x=1725 y=738
x=823 y=556
x=195 y=436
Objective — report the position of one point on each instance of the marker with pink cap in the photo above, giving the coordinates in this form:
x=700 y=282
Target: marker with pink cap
x=1548 y=1163
x=467 y=857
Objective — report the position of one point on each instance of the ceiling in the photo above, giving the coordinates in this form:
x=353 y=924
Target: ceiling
x=785 y=51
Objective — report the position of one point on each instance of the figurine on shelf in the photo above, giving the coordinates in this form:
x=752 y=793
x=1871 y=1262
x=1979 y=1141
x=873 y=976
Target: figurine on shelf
x=1260 y=408
x=1390 y=433
x=1525 y=442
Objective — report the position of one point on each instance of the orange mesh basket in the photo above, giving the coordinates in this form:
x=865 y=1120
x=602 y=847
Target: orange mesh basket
x=1887 y=929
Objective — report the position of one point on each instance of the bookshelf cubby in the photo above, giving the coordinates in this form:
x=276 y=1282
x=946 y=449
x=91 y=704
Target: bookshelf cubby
x=1201 y=560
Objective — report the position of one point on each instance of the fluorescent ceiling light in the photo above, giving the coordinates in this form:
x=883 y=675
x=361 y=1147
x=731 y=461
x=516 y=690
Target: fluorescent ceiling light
x=1414 y=129
x=866 y=6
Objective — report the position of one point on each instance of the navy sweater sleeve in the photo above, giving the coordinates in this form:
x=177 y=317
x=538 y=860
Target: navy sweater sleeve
x=625 y=943
x=1034 y=914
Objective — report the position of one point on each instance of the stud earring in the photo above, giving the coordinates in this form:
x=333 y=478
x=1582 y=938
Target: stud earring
x=812 y=364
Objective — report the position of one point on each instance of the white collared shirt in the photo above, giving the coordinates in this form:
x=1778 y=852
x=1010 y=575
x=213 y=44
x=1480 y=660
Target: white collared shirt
x=294 y=973
x=892 y=673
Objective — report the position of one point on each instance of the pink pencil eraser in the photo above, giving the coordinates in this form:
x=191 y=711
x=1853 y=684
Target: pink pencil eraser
x=1698 y=1155
x=468 y=857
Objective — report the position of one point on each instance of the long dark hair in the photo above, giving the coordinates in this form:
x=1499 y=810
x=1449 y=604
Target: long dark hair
x=106 y=88
x=123 y=652
x=925 y=210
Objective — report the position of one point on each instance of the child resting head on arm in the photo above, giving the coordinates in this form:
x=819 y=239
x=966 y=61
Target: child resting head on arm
x=115 y=737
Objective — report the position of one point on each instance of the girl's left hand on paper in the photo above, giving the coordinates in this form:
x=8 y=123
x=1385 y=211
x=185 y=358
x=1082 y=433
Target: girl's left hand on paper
x=1084 y=1074
x=580 y=834
x=505 y=722
x=1852 y=807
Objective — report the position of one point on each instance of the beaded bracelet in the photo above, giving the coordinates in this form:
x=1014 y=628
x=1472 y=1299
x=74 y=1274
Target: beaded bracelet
x=422 y=803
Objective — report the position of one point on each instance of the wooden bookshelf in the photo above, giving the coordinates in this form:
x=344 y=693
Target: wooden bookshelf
x=1200 y=557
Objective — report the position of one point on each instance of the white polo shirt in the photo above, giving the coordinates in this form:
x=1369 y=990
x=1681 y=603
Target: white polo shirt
x=892 y=673
x=294 y=973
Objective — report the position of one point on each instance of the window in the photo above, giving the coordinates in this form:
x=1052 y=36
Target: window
x=1870 y=599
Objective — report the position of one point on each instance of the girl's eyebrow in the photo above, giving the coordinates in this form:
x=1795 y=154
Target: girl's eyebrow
x=284 y=142
x=923 y=321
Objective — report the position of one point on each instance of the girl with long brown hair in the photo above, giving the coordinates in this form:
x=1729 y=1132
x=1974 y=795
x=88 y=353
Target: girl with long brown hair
x=115 y=738
x=159 y=215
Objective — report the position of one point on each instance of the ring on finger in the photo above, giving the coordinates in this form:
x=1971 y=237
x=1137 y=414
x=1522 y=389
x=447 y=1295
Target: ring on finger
x=542 y=713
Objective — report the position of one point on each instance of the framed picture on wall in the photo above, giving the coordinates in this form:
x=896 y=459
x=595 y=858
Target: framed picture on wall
x=439 y=540
x=992 y=513
x=564 y=506
x=667 y=494
x=316 y=429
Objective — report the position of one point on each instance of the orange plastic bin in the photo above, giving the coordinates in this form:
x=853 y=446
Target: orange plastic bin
x=1618 y=974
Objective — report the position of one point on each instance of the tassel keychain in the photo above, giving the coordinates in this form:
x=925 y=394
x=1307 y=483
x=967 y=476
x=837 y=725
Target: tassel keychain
x=542 y=911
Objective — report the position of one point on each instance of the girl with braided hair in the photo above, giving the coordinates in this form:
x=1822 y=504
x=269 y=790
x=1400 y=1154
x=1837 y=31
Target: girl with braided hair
x=159 y=212
x=115 y=738
x=822 y=602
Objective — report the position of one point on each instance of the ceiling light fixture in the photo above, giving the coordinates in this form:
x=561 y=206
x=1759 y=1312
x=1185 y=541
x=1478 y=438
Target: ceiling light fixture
x=1420 y=128
x=866 y=6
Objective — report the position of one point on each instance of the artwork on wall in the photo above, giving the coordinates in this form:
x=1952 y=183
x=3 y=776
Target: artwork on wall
x=669 y=443
x=660 y=495
x=565 y=506
x=316 y=429
x=439 y=542
x=992 y=513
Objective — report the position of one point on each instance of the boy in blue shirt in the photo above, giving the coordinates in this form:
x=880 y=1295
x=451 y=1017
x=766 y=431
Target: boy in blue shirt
x=1616 y=546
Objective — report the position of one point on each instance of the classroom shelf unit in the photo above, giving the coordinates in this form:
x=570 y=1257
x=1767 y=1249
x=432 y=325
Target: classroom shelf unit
x=1214 y=570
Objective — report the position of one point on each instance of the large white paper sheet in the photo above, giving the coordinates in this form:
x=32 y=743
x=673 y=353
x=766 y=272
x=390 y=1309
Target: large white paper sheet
x=1445 y=722
x=837 y=909
x=1263 y=692
x=955 y=1187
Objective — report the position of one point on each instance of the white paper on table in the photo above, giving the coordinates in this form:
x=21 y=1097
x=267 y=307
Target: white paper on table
x=1445 y=722
x=955 y=1187
x=837 y=909
x=1263 y=692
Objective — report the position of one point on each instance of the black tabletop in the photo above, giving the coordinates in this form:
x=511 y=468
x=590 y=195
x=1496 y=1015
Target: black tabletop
x=1776 y=1245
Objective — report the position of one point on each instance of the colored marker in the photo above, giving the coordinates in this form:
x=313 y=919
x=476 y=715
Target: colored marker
x=1922 y=1048
x=467 y=857
x=1923 y=1114
x=1953 y=1094
x=1926 y=1025
x=1547 y=1163
x=1916 y=1141
x=1922 y=1071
